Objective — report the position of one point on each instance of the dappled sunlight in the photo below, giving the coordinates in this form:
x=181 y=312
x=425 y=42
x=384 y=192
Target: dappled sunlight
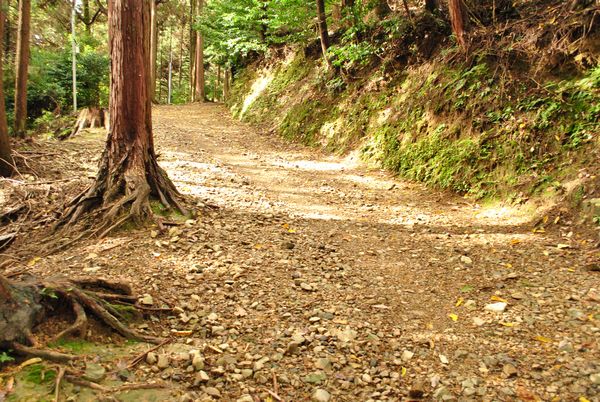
x=257 y=89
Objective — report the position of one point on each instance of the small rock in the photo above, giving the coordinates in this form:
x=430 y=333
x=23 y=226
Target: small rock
x=321 y=395
x=151 y=358
x=407 y=355
x=245 y=398
x=417 y=390
x=595 y=378
x=201 y=377
x=94 y=372
x=509 y=370
x=478 y=321
x=323 y=364
x=163 y=362
x=147 y=300
x=305 y=286
x=466 y=260
x=212 y=391
x=496 y=307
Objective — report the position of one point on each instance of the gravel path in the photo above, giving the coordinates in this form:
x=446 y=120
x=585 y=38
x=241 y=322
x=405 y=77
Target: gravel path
x=310 y=276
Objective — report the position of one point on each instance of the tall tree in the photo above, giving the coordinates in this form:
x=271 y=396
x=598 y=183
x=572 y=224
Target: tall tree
x=129 y=173
x=323 y=33
x=22 y=67
x=6 y=162
x=200 y=92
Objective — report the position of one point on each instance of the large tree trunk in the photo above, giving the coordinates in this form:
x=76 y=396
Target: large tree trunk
x=323 y=33
x=22 y=67
x=6 y=161
x=200 y=80
x=457 y=19
x=153 y=48
x=129 y=173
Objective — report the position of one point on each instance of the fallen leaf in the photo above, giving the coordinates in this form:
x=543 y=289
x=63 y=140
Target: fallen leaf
x=454 y=317
x=543 y=339
x=403 y=371
x=33 y=261
x=498 y=299
x=459 y=301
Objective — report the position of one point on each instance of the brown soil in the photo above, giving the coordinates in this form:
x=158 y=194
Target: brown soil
x=303 y=271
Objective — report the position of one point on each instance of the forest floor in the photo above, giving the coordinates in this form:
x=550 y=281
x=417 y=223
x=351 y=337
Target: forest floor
x=310 y=277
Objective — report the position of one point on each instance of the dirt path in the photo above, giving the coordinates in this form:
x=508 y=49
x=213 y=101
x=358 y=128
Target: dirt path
x=317 y=278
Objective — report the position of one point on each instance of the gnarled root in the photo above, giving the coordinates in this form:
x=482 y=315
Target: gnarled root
x=123 y=194
x=27 y=302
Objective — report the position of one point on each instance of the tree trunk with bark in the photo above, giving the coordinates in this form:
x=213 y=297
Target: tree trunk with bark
x=200 y=80
x=6 y=161
x=129 y=173
x=22 y=67
x=458 y=20
x=192 y=50
x=323 y=32
x=153 y=48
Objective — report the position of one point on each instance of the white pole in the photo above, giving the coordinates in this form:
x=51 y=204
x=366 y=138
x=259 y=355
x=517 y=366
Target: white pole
x=74 y=44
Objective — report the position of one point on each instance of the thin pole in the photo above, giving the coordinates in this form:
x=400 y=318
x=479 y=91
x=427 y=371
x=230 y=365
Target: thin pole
x=170 y=68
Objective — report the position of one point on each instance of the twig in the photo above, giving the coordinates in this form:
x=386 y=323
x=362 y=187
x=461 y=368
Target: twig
x=274 y=395
x=59 y=377
x=143 y=355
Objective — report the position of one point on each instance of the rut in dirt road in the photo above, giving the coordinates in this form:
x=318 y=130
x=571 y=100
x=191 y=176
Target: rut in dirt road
x=311 y=276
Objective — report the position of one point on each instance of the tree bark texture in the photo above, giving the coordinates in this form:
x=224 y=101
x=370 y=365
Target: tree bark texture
x=153 y=48
x=22 y=67
x=6 y=161
x=457 y=20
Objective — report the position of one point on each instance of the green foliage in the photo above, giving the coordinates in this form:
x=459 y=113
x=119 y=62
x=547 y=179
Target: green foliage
x=5 y=358
x=352 y=55
x=39 y=374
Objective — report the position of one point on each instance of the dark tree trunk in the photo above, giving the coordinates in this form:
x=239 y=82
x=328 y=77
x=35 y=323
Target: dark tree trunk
x=22 y=67
x=6 y=161
x=226 y=84
x=323 y=32
x=382 y=9
x=200 y=89
x=192 y=50
x=129 y=173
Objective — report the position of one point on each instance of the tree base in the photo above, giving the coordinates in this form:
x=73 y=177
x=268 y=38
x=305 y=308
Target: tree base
x=123 y=194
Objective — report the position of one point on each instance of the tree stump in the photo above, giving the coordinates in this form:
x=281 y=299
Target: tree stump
x=91 y=117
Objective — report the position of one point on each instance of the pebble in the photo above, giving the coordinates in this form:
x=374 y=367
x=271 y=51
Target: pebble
x=151 y=358
x=321 y=395
x=163 y=362
x=496 y=307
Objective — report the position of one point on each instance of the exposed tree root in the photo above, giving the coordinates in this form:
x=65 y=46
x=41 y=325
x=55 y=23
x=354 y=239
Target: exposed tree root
x=41 y=353
x=123 y=194
x=23 y=305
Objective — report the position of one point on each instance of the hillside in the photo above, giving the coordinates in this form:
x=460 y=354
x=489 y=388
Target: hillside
x=514 y=115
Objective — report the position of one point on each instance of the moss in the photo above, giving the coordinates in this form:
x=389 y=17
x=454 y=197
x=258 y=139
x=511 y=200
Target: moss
x=461 y=127
x=77 y=346
x=39 y=374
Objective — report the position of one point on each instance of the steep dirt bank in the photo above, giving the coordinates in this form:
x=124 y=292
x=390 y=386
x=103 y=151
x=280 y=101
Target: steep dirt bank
x=307 y=272
x=512 y=120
